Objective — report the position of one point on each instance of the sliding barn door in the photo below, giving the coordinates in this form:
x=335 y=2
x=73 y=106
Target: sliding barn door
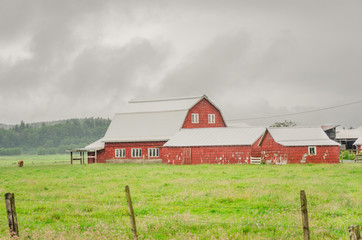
x=187 y=156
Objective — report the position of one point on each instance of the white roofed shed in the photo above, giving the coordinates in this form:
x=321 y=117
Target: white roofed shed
x=301 y=137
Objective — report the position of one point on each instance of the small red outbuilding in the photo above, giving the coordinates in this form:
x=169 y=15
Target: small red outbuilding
x=298 y=145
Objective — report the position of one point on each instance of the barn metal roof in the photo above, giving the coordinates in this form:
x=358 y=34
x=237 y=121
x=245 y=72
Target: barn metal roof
x=144 y=126
x=301 y=137
x=229 y=136
x=348 y=133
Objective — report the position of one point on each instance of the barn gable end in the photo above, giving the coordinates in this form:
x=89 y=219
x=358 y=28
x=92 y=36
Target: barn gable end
x=204 y=109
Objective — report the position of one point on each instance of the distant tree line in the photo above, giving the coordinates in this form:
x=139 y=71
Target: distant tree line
x=51 y=138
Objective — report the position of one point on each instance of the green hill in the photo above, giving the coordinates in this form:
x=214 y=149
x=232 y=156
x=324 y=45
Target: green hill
x=50 y=137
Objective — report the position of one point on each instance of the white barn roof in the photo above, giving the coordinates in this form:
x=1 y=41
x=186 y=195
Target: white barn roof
x=349 y=133
x=146 y=126
x=229 y=136
x=301 y=137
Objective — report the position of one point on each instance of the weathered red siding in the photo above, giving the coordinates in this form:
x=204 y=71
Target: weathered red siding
x=212 y=155
x=109 y=150
x=203 y=108
x=100 y=157
x=275 y=153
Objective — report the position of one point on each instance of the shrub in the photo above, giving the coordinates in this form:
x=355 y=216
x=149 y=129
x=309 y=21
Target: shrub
x=345 y=155
x=351 y=156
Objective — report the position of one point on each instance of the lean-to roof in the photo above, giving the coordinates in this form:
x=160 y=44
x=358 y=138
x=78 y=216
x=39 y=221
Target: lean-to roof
x=95 y=146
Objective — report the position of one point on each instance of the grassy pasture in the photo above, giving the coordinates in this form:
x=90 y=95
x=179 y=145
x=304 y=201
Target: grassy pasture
x=56 y=200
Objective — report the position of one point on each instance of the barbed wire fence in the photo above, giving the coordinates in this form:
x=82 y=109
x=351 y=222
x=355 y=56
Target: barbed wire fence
x=121 y=210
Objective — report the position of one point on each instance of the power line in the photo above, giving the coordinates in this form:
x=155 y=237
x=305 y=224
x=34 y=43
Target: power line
x=297 y=113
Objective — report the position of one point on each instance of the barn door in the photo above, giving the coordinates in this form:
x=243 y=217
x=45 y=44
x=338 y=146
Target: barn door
x=187 y=156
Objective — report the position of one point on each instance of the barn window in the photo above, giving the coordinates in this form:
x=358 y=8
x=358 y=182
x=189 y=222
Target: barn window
x=312 y=151
x=153 y=152
x=136 y=152
x=194 y=118
x=119 y=153
x=211 y=118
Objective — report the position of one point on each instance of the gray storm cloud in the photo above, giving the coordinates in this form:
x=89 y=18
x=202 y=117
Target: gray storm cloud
x=61 y=59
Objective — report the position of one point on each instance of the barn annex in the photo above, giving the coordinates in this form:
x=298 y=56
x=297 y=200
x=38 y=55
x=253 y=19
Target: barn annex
x=193 y=131
x=298 y=145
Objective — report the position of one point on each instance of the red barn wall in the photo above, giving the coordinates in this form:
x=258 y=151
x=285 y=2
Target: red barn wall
x=275 y=153
x=203 y=108
x=109 y=150
x=211 y=155
x=100 y=157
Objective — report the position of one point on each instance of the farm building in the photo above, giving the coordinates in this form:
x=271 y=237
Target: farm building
x=298 y=145
x=193 y=131
x=143 y=127
x=347 y=137
x=212 y=145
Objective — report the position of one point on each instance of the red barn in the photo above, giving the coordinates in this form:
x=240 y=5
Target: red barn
x=298 y=145
x=212 y=145
x=192 y=131
x=137 y=133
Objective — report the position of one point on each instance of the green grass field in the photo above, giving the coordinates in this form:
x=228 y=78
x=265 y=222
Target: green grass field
x=56 y=200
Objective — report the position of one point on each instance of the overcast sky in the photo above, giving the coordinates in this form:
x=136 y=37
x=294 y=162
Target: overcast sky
x=252 y=58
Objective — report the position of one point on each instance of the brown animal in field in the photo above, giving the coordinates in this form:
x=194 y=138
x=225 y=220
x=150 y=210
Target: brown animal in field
x=20 y=163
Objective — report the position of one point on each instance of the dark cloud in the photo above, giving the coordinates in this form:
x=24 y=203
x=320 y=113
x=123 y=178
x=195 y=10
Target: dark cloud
x=62 y=59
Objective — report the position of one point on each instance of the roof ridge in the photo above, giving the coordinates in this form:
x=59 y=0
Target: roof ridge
x=164 y=99
x=177 y=110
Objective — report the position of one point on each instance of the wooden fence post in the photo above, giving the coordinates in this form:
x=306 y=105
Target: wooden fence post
x=11 y=212
x=354 y=233
x=131 y=213
x=304 y=211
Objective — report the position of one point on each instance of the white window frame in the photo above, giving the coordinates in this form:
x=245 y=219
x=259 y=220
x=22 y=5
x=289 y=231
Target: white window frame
x=211 y=118
x=153 y=152
x=136 y=152
x=120 y=152
x=314 y=150
x=194 y=118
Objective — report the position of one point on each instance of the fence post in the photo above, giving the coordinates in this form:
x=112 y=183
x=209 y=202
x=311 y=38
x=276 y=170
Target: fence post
x=304 y=211
x=11 y=212
x=354 y=233
x=131 y=213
